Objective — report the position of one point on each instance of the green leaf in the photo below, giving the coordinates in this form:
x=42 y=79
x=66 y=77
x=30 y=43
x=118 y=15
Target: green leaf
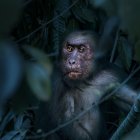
x=39 y=74
x=39 y=80
x=37 y=54
x=40 y=57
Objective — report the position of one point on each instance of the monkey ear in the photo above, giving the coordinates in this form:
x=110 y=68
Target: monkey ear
x=108 y=36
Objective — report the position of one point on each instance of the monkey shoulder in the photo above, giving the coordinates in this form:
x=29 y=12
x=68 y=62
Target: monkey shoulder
x=106 y=79
x=109 y=73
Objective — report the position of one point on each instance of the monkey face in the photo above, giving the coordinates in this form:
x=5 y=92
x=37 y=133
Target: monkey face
x=77 y=58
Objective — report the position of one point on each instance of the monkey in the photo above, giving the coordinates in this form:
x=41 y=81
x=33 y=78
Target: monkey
x=84 y=78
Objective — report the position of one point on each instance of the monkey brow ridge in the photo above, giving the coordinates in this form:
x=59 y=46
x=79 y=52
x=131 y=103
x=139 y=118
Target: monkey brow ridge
x=78 y=40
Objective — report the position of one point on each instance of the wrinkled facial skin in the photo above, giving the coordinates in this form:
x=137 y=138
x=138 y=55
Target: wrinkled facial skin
x=77 y=57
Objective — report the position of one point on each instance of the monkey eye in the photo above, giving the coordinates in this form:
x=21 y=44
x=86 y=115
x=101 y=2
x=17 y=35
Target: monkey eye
x=69 y=48
x=81 y=48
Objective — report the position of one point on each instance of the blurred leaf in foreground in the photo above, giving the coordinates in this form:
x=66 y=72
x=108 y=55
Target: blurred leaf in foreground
x=39 y=73
x=10 y=70
x=17 y=131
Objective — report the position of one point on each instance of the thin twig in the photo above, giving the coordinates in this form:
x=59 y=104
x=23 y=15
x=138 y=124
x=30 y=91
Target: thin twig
x=42 y=26
x=85 y=111
x=115 y=46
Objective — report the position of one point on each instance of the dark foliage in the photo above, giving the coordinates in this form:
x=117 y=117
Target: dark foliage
x=30 y=35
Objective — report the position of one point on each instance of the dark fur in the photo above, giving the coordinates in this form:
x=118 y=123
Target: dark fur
x=72 y=96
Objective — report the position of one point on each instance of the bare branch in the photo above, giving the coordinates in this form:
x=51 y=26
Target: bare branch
x=115 y=46
x=130 y=122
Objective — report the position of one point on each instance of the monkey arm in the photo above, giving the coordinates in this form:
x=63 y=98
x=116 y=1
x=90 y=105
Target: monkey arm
x=121 y=94
x=125 y=98
x=126 y=94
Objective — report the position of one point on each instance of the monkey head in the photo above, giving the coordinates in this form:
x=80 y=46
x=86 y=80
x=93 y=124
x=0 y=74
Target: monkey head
x=77 y=55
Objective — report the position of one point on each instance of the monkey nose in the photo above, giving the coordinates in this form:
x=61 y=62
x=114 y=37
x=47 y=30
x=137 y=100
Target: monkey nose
x=71 y=61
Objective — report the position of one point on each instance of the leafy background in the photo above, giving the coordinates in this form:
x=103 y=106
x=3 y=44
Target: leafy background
x=30 y=36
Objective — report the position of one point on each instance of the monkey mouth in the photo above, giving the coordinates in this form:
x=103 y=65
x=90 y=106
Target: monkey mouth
x=74 y=74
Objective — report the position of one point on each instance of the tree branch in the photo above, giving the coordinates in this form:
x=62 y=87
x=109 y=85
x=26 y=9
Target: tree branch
x=130 y=122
